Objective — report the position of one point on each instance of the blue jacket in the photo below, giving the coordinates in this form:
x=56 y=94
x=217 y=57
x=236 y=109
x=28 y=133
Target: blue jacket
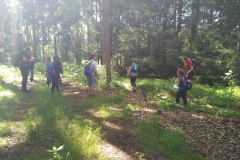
x=182 y=83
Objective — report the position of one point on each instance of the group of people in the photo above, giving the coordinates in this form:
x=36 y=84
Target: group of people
x=184 y=74
x=54 y=70
x=27 y=64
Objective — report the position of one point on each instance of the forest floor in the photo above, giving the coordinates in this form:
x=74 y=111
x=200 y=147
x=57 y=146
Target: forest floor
x=212 y=137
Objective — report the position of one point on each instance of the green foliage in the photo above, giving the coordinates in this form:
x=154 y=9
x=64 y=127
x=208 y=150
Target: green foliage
x=55 y=153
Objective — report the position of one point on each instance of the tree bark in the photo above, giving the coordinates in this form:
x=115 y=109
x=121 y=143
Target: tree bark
x=34 y=45
x=106 y=39
x=179 y=25
x=195 y=20
x=174 y=16
x=55 y=41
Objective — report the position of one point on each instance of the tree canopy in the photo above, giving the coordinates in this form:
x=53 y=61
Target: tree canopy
x=152 y=33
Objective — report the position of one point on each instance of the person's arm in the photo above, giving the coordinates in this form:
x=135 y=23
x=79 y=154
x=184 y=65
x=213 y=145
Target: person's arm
x=129 y=70
x=191 y=68
x=26 y=60
x=95 y=71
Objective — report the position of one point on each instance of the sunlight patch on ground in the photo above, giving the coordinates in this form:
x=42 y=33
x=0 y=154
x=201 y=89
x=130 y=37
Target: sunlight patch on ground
x=6 y=94
x=127 y=86
x=209 y=106
x=116 y=109
x=99 y=114
x=198 y=116
x=113 y=126
x=114 y=153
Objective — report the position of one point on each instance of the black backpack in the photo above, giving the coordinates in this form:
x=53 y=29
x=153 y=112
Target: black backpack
x=17 y=61
x=194 y=63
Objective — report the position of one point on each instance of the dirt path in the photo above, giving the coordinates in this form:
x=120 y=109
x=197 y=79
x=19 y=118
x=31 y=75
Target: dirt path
x=212 y=137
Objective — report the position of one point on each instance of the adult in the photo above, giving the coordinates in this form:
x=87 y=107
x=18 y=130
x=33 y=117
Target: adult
x=91 y=80
x=132 y=73
x=24 y=66
x=55 y=76
x=188 y=67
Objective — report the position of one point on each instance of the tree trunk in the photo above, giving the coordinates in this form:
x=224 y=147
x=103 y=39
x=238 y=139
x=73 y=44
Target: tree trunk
x=55 y=41
x=78 y=49
x=106 y=39
x=34 y=45
x=239 y=43
x=179 y=25
x=174 y=16
x=195 y=20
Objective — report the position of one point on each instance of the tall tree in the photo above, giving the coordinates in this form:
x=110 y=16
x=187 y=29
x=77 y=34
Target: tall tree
x=106 y=38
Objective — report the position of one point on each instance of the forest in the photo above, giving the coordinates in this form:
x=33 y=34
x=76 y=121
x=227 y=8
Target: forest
x=152 y=33
x=118 y=123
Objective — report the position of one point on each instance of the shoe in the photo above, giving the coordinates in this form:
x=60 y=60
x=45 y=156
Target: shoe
x=89 y=95
x=52 y=92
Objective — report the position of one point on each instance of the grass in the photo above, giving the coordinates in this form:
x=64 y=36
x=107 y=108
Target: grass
x=39 y=121
x=154 y=139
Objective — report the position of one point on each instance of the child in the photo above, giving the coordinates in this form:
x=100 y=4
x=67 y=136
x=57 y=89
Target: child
x=182 y=90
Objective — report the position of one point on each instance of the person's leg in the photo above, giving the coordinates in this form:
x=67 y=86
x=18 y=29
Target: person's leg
x=178 y=97
x=24 y=73
x=134 y=82
x=53 y=84
x=184 y=97
x=48 y=80
x=190 y=75
x=89 y=85
x=58 y=85
x=93 y=85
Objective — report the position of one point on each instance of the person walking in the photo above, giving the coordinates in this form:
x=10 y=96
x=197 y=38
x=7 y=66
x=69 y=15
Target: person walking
x=55 y=74
x=188 y=66
x=132 y=73
x=182 y=89
x=91 y=80
x=25 y=66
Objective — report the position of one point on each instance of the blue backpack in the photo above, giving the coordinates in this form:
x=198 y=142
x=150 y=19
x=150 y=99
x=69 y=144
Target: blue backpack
x=51 y=70
x=134 y=67
x=88 y=70
x=189 y=84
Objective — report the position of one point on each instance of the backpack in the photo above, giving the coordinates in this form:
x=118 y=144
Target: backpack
x=51 y=70
x=189 y=84
x=17 y=61
x=194 y=63
x=88 y=70
x=134 y=67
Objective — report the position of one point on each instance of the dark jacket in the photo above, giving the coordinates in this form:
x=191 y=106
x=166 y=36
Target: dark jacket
x=24 y=65
x=182 y=83
x=57 y=69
